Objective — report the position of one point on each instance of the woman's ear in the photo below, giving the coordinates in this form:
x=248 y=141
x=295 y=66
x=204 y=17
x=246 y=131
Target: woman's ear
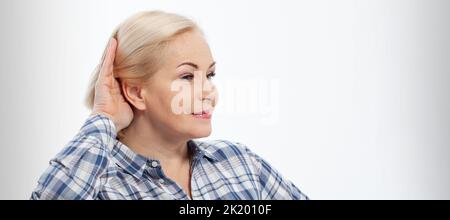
x=133 y=93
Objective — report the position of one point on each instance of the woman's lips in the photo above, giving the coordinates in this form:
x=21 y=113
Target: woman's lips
x=203 y=115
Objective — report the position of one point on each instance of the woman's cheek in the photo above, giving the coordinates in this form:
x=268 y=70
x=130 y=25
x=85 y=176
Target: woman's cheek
x=180 y=101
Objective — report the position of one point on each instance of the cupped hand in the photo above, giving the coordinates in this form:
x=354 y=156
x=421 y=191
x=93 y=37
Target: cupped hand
x=108 y=99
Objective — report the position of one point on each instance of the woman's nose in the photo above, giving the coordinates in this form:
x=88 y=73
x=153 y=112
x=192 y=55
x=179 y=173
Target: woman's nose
x=210 y=95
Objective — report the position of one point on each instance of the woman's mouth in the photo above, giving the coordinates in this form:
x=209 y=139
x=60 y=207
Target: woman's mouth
x=202 y=115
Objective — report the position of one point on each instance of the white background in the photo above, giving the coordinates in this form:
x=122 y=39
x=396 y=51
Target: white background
x=363 y=100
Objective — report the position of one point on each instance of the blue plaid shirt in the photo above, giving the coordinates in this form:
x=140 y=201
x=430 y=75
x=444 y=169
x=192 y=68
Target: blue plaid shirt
x=95 y=165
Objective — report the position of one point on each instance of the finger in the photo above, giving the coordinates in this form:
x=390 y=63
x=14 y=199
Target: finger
x=107 y=66
x=116 y=87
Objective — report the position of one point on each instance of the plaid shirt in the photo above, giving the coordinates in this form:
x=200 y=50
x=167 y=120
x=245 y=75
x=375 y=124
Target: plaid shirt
x=95 y=165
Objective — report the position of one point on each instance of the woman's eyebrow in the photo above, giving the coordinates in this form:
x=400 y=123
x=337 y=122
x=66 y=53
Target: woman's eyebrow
x=195 y=65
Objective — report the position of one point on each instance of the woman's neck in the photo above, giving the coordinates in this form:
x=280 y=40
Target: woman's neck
x=144 y=138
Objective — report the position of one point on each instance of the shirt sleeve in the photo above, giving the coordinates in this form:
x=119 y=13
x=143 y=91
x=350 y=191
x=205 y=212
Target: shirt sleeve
x=75 y=171
x=273 y=186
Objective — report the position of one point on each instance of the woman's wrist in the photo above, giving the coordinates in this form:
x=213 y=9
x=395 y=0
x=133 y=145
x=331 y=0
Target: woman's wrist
x=116 y=125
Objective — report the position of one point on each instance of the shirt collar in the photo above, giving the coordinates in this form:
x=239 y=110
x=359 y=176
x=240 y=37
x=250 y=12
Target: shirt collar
x=201 y=150
x=136 y=164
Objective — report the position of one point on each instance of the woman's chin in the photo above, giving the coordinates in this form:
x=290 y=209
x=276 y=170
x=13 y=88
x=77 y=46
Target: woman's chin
x=193 y=127
x=200 y=131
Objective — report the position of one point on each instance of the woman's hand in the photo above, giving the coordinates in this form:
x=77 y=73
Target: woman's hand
x=108 y=99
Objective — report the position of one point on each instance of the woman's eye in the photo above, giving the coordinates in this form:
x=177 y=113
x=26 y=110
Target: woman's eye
x=187 y=77
x=211 y=75
x=191 y=77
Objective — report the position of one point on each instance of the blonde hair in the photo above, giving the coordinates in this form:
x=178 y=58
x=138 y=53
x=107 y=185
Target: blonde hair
x=142 y=39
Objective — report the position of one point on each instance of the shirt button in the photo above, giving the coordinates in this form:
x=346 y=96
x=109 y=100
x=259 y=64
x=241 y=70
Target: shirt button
x=161 y=181
x=154 y=164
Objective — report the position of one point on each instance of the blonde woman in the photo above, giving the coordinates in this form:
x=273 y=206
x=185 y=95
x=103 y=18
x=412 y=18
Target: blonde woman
x=139 y=142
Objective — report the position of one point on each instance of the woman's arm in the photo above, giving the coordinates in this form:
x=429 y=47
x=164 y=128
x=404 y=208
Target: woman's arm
x=75 y=172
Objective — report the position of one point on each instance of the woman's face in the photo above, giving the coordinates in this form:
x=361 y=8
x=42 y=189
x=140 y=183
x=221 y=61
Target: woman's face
x=180 y=97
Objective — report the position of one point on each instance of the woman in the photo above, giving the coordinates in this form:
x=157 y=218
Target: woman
x=151 y=96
